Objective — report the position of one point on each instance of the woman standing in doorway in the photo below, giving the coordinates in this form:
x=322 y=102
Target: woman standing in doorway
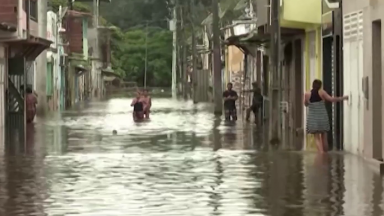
x=317 y=117
x=31 y=102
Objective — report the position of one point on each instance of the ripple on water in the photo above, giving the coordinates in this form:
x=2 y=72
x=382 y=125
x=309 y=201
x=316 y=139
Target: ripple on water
x=182 y=162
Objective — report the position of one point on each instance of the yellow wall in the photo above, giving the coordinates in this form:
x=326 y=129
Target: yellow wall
x=310 y=143
x=226 y=70
x=303 y=11
x=234 y=61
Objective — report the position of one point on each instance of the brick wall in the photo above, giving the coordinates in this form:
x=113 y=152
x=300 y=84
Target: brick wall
x=8 y=11
x=74 y=26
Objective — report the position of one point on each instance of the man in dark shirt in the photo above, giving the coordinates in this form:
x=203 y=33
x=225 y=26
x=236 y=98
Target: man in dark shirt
x=230 y=97
x=257 y=102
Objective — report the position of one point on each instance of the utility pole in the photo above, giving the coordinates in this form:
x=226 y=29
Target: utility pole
x=95 y=74
x=274 y=124
x=174 y=51
x=183 y=53
x=194 y=60
x=146 y=54
x=217 y=85
x=70 y=4
x=96 y=5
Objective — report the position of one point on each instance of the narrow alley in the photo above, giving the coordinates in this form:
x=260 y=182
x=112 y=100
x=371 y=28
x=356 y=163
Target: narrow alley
x=181 y=162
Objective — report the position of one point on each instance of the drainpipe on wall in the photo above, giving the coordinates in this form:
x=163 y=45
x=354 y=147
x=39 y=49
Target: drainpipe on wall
x=28 y=10
x=20 y=20
x=41 y=61
x=109 y=49
x=25 y=81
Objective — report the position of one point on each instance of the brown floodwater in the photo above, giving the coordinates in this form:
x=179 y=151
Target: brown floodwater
x=184 y=161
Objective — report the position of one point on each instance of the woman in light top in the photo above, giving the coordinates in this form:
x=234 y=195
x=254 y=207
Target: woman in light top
x=147 y=103
x=317 y=116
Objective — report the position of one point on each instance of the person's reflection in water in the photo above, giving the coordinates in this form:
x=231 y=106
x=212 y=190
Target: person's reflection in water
x=216 y=196
x=230 y=135
x=321 y=160
x=30 y=138
x=216 y=134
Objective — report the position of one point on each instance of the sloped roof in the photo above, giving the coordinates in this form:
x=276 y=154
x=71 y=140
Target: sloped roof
x=78 y=13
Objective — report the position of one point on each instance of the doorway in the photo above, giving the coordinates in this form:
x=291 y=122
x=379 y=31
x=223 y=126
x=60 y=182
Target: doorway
x=338 y=89
x=376 y=91
x=327 y=82
x=298 y=89
x=353 y=76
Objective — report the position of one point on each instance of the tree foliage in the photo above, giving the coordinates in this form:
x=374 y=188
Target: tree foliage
x=129 y=55
x=142 y=33
x=128 y=42
x=131 y=13
x=79 y=6
x=130 y=18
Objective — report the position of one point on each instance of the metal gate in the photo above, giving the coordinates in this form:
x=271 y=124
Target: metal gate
x=15 y=118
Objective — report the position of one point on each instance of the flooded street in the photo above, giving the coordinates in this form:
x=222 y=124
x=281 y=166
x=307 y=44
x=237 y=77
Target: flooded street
x=182 y=162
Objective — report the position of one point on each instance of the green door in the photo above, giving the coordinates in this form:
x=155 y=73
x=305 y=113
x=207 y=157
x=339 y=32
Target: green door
x=49 y=81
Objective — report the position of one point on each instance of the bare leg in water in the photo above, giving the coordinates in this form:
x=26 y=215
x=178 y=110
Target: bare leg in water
x=319 y=143
x=324 y=139
x=146 y=113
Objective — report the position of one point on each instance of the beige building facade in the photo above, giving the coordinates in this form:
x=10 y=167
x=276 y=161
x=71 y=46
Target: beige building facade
x=364 y=85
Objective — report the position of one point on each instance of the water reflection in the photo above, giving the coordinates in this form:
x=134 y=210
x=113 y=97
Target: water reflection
x=182 y=162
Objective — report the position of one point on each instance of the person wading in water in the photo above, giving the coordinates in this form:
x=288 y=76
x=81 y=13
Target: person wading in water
x=147 y=103
x=31 y=101
x=138 y=107
x=230 y=97
x=257 y=103
x=317 y=116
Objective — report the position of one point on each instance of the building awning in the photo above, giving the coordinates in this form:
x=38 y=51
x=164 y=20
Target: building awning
x=80 y=69
x=75 y=13
x=246 y=42
x=109 y=79
x=109 y=72
x=31 y=47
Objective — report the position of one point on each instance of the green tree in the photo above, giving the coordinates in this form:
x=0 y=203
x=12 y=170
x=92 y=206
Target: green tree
x=128 y=40
x=129 y=55
x=79 y=6
x=131 y=13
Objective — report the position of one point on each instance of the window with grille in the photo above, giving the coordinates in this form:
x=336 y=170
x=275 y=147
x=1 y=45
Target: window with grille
x=353 y=26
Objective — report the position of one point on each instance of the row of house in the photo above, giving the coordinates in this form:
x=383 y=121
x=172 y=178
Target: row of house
x=77 y=60
x=336 y=41
x=62 y=55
